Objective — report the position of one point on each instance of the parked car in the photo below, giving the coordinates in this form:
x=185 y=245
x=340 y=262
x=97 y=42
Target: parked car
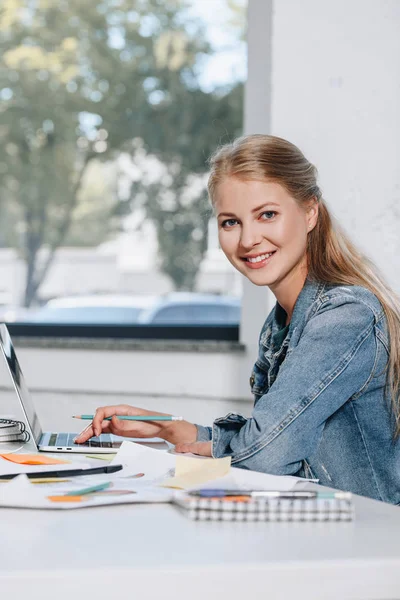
x=178 y=308
x=11 y=314
x=91 y=310
x=188 y=308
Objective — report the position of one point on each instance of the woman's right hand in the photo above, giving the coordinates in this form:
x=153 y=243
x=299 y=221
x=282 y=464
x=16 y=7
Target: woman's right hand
x=172 y=431
x=139 y=429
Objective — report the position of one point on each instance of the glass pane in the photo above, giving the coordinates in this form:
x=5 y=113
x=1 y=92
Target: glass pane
x=109 y=110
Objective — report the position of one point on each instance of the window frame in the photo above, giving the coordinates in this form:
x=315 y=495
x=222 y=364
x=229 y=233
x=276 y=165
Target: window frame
x=226 y=333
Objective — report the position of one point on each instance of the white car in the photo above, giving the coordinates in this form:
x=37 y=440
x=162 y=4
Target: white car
x=91 y=310
x=189 y=308
x=177 y=308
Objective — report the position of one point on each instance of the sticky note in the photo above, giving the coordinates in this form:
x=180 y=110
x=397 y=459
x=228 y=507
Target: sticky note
x=101 y=456
x=33 y=459
x=193 y=471
x=66 y=498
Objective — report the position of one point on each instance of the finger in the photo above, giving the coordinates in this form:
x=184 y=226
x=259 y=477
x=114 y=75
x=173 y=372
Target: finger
x=183 y=448
x=88 y=432
x=107 y=411
x=200 y=448
x=84 y=435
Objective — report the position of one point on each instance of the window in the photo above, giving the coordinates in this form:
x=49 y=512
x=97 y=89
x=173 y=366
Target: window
x=110 y=109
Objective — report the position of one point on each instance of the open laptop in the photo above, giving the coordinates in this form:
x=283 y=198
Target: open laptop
x=53 y=441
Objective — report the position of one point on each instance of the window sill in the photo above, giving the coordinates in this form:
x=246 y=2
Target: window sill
x=137 y=345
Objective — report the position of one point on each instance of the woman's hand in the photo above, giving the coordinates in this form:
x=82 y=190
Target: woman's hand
x=200 y=448
x=172 y=431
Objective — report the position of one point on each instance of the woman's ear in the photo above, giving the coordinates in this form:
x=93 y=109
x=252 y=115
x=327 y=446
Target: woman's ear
x=312 y=214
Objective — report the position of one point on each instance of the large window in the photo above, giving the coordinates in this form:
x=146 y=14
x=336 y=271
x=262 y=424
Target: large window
x=108 y=113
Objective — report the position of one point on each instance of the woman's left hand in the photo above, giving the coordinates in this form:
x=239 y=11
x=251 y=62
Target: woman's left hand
x=200 y=448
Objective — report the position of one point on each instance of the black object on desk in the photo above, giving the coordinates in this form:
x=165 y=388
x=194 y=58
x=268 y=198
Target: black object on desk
x=65 y=473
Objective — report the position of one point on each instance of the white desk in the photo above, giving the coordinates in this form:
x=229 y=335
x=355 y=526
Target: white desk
x=154 y=552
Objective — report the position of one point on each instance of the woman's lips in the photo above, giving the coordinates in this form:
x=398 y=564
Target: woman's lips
x=259 y=264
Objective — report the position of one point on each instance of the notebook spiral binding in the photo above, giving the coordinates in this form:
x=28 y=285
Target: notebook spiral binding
x=13 y=431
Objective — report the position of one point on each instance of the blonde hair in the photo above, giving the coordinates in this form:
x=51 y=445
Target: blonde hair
x=331 y=257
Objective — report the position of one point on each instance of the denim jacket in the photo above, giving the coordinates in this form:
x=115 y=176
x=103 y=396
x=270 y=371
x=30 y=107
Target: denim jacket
x=320 y=407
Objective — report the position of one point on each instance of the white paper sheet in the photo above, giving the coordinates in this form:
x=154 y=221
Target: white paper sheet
x=136 y=458
x=21 y=493
x=242 y=479
x=158 y=465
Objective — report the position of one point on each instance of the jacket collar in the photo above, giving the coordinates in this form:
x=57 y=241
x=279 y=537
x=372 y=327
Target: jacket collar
x=308 y=295
x=276 y=321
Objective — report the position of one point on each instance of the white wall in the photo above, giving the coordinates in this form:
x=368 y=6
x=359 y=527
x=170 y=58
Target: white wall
x=336 y=94
x=199 y=386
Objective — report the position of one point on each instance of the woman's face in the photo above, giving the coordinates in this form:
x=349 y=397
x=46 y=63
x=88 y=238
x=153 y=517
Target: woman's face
x=263 y=231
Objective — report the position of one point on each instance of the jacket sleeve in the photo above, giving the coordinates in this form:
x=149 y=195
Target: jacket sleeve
x=204 y=433
x=332 y=361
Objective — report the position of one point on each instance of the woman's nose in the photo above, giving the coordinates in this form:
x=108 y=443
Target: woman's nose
x=250 y=237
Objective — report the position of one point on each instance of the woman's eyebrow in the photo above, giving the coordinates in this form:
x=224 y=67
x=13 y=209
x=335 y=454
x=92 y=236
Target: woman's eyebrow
x=225 y=215
x=254 y=210
x=264 y=206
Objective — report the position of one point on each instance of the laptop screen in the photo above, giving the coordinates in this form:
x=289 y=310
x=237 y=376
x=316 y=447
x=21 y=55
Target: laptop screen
x=8 y=352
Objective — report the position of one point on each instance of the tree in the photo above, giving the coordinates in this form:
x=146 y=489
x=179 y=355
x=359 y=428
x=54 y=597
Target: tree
x=78 y=82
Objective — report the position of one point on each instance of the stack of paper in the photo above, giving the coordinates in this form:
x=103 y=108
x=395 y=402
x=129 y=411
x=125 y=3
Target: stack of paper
x=148 y=475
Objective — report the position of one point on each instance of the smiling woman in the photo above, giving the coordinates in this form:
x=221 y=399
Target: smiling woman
x=326 y=381
x=267 y=236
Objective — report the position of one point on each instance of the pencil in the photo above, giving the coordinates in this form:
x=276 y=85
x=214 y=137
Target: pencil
x=89 y=490
x=132 y=418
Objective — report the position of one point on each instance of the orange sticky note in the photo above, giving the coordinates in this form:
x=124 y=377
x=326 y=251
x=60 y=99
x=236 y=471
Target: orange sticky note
x=33 y=459
x=66 y=498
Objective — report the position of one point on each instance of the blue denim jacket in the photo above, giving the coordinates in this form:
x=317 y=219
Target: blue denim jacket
x=320 y=406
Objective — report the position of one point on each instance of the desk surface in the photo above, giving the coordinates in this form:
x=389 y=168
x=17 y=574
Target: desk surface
x=153 y=551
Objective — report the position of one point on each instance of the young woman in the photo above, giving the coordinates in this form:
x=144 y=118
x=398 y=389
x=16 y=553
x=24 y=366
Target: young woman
x=326 y=381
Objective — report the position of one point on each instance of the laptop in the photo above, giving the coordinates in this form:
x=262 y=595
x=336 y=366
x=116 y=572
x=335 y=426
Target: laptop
x=53 y=441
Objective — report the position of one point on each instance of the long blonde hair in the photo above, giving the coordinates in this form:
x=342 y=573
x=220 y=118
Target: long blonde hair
x=331 y=256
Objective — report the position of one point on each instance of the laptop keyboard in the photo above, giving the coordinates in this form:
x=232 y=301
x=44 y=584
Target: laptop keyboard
x=67 y=439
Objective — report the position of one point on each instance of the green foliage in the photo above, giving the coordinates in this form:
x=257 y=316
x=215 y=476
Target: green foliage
x=79 y=82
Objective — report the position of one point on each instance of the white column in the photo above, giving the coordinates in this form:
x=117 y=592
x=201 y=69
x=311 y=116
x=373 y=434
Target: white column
x=256 y=301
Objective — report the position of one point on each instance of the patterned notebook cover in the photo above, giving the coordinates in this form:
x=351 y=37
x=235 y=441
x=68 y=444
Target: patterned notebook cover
x=264 y=509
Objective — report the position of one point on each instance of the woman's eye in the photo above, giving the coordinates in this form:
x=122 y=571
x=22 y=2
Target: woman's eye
x=228 y=223
x=268 y=215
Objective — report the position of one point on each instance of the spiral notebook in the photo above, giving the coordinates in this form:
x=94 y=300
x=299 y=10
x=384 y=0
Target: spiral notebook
x=13 y=431
x=265 y=509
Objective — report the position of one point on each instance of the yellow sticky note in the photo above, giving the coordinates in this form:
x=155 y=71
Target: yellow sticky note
x=193 y=471
x=101 y=456
x=33 y=459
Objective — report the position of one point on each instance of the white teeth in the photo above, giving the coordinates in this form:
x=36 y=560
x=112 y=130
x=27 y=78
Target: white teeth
x=259 y=258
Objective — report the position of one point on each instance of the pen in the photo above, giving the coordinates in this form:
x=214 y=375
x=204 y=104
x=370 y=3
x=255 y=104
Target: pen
x=132 y=418
x=65 y=473
x=290 y=495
